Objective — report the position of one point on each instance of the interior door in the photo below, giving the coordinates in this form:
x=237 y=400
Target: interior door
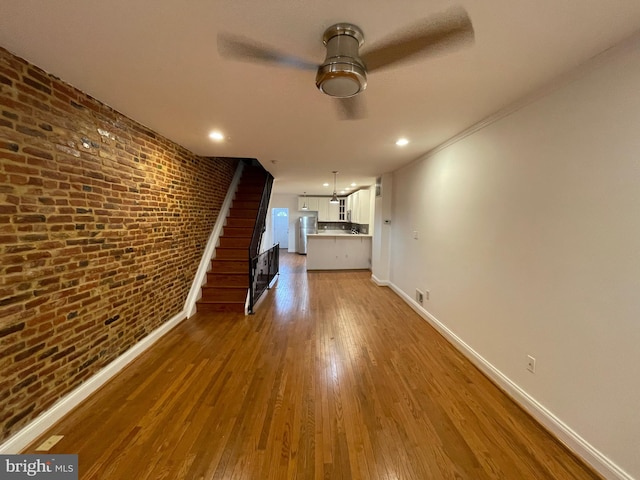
x=280 y=217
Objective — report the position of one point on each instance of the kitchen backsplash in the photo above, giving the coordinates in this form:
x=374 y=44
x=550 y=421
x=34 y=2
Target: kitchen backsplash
x=347 y=226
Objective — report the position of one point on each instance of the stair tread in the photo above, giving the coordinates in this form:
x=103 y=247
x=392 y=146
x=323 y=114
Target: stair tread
x=211 y=302
x=225 y=287
x=226 y=274
x=221 y=307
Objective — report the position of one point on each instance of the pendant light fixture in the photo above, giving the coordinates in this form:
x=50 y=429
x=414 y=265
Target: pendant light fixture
x=304 y=204
x=334 y=198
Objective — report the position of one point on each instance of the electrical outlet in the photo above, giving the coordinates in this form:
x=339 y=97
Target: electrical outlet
x=415 y=234
x=419 y=296
x=531 y=364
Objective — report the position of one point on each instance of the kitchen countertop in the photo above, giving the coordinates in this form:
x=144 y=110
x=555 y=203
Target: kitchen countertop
x=339 y=235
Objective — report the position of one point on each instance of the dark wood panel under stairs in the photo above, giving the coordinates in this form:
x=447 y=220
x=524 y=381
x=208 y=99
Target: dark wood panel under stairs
x=228 y=280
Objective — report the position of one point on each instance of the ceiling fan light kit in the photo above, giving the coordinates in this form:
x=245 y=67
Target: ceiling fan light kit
x=342 y=74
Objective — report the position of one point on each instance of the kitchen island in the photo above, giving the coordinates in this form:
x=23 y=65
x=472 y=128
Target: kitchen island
x=326 y=251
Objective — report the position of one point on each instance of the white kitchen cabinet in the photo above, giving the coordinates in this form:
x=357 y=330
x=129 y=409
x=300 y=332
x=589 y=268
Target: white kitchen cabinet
x=334 y=212
x=327 y=211
x=312 y=203
x=360 y=205
x=323 y=209
x=338 y=252
x=364 y=206
x=355 y=207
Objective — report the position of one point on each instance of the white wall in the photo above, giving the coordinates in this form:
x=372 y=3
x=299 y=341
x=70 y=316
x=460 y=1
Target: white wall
x=529 y=243
x=381 y=214
x=289 y=201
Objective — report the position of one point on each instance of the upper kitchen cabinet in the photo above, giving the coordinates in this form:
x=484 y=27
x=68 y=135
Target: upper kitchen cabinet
x=327 y=211
x=342 y=209
x=323 y=209
x=312 y=203
x=360 y=205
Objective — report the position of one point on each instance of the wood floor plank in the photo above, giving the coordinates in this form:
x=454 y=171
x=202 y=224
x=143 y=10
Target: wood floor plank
x=332 y=378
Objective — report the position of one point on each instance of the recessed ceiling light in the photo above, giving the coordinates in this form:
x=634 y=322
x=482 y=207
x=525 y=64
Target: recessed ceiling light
x=348 y=188
x=353 y=184
x=216 y=136
x=325 y=184
x=401 y=142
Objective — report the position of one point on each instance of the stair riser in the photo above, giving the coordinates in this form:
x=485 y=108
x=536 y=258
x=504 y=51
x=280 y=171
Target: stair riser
x=253 y=179
x=230 y=280
x=235 y=242
x=220 y=307
x=240 y=223
x=248 y=176
x=246 y=205
x=213 y=294
x=253 y=172
x=249 y=181
x=232 y=254
x=243 y=213
x=218 y=266
x=238 y=232
x=249 y=190
x=248 y=197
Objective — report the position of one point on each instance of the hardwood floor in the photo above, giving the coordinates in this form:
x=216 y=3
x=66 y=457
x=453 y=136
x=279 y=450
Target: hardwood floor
x=332 y=378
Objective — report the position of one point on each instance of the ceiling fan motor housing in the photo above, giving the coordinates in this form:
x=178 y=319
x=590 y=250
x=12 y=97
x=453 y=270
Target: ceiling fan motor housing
x=342 y=74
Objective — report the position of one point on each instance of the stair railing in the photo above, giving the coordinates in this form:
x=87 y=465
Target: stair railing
x=263 y=267
x=262 y=270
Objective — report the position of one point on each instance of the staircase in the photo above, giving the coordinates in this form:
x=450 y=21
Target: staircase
x=228 y=280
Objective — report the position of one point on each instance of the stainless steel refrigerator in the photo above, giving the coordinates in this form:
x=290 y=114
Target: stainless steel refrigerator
x=306 y=225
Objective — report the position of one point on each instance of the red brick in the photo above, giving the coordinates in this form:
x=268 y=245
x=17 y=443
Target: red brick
x=37 y=153
x=12 y=156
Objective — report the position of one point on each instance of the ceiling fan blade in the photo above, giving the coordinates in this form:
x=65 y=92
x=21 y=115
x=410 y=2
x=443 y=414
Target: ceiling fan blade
x=243 y=49
x=350 y=108
x=432 y=35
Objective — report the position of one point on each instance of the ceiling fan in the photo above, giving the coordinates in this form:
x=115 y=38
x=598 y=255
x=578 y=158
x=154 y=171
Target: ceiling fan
x=343 y=73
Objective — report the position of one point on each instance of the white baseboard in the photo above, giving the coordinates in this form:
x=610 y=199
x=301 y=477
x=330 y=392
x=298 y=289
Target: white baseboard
x=578 y=445
x=380 y=283
x=63 y=406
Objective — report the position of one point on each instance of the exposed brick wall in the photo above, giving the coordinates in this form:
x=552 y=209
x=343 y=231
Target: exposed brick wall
x=102 y=226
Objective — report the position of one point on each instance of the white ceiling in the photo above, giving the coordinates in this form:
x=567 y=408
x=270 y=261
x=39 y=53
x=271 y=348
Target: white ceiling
x=156 y=61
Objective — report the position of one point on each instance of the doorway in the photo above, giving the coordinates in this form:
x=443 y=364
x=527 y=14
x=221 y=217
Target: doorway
x=280 y=222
